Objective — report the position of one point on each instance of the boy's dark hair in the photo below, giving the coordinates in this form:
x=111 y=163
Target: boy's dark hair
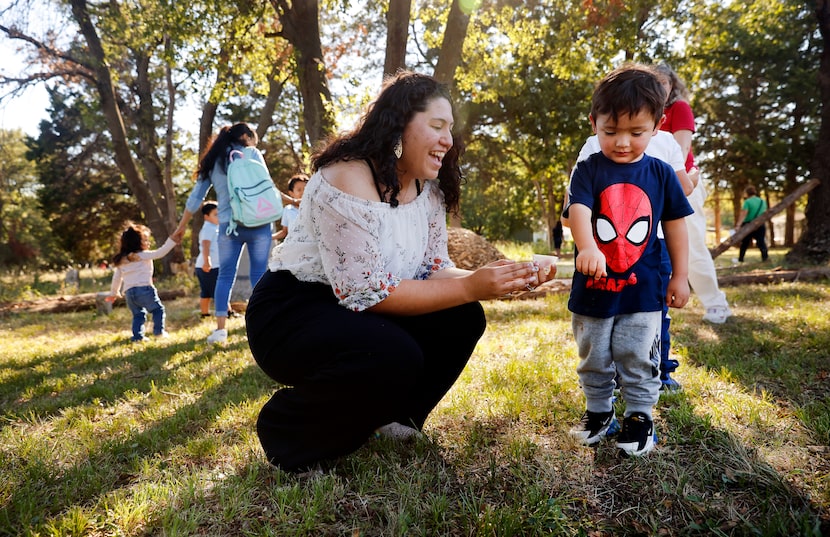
x=629 y=89
x=209 y=206
x=295 y=179
x=750 y=191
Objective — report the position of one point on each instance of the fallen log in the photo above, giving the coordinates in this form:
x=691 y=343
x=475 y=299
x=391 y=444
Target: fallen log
x=70 y=303
x=744 y=231
x=775 y=275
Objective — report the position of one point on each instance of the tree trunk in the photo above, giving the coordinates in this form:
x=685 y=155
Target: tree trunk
x=206 y=120
x=266 y=117
x=397 y=26
x=301 y=28
x=140 y=184
x=170 y=130
x=70 y=303
x=814 y=244
x=450 y=57
x=452 y=45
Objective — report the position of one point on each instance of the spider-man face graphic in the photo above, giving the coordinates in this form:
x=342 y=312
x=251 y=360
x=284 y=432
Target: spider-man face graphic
x=623 y=225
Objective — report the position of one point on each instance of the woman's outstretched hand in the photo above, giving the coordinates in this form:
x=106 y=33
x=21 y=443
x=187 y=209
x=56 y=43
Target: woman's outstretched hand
x=503 y=277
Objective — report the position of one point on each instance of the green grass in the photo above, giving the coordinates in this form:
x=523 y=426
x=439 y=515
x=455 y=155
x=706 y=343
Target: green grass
x=99 y=436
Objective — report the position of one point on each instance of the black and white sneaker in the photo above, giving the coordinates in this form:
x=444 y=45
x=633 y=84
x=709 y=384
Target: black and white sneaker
x=594 y=425
x=637 y=437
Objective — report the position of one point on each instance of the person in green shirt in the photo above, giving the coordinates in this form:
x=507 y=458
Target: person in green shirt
x=752 y=208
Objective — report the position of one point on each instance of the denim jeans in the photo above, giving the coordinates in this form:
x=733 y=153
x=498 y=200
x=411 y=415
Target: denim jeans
x=258 y=242
x=141 y=300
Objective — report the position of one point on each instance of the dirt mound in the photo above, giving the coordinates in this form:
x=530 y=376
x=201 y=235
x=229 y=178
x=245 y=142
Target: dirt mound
x=469 y=250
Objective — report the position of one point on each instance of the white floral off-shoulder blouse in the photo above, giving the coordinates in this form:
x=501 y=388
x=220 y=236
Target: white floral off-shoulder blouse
x=363 y=248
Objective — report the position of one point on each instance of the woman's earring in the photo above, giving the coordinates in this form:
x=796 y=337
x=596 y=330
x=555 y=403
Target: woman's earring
x=398 y=149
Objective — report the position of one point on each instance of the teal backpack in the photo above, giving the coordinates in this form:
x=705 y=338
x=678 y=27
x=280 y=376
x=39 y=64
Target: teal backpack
x=255 y=200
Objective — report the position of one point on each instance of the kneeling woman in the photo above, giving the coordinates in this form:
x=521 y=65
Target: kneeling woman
x=362 y=315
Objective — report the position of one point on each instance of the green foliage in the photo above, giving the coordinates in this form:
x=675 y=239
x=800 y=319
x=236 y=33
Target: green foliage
x=755 y=93
x=26 y=237
x=523 y=92
x=84 y=194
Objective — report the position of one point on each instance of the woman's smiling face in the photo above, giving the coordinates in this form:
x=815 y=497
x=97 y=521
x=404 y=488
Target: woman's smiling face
x=425 y=141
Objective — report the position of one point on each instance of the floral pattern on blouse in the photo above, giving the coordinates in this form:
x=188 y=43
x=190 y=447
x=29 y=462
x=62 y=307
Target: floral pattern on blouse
x=361 y=248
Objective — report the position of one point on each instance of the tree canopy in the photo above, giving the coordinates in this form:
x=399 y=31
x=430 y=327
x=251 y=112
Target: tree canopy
x=121 y=73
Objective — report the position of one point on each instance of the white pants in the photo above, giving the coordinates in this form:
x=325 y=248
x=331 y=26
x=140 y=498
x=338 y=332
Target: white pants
x=702 y=276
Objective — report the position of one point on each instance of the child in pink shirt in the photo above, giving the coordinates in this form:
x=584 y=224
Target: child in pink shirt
x=134 y=272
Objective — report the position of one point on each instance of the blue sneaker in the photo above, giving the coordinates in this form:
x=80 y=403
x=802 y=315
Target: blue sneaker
x=594 y=425
x=669 y=385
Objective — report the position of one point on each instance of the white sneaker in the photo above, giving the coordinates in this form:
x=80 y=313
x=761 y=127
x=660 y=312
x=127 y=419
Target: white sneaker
x=218 y=336
x=717 y=314
x=397 y=431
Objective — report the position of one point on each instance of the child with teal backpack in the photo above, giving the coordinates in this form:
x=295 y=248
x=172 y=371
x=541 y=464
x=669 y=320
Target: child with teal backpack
x=212 y=172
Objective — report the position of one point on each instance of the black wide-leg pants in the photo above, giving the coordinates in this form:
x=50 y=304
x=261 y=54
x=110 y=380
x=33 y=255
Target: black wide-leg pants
x=347 y=373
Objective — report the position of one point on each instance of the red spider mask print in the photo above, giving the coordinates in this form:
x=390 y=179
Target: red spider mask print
x=623 y=225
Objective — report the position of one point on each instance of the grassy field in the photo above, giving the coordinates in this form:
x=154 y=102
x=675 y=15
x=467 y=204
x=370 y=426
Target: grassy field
x=99 y=436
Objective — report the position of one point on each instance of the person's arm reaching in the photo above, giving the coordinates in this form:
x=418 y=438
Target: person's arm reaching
x=590 y=261
x=452 y=287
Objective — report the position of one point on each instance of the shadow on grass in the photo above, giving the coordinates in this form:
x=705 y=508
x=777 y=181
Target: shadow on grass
x=772 y=350
x=701 y=479
x=500 y=475
x=44 y=490
x=45 y=385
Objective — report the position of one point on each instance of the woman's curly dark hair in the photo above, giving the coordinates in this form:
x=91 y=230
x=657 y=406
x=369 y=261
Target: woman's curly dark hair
x=379 y=129
x=134 y=238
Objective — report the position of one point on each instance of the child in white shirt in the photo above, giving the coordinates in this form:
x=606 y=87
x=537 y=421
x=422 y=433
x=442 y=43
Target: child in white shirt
x=207 y=264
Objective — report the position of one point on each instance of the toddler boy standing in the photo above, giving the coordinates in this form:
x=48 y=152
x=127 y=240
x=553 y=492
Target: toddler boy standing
x=616 y=199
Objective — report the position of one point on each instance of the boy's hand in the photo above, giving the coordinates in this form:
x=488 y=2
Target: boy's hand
x=694 y=176
x=591 y=262
x=677 y=292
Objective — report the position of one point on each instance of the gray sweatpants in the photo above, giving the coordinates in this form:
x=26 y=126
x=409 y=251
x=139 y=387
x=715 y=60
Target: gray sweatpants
x=625 y=345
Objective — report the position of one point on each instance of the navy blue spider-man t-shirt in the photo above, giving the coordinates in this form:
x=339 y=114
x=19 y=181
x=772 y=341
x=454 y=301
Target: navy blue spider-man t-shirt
x=627 y=201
